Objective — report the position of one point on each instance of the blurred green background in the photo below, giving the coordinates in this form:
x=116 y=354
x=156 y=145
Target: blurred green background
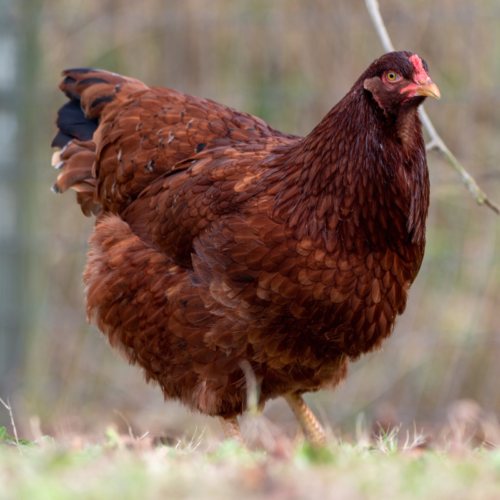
x=289 y=62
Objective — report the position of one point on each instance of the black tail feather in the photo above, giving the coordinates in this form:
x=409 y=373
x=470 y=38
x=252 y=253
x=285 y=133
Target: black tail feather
x=73 y=124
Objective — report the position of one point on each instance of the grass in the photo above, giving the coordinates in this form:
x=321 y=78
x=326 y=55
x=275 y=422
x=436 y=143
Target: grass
x=120 y=467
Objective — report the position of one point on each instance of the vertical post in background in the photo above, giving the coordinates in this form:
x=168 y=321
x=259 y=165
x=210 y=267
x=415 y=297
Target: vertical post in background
x=14 y=48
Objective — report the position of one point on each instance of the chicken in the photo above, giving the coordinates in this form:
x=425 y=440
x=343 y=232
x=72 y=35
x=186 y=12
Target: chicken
x=223 y=247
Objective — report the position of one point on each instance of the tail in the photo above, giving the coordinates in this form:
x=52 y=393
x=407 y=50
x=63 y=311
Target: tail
x=91 y=93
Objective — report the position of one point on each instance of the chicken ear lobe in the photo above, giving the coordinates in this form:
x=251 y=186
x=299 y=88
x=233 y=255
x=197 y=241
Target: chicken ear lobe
x=373 y=85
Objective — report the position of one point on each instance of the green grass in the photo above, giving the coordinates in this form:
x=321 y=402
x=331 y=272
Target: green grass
x=124 y=469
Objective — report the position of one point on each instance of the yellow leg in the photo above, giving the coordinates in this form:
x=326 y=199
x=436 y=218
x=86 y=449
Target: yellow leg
x=232 y=430
x=314 y=431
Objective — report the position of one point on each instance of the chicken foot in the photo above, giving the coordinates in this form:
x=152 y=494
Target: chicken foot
x=232 y=430
x=313 y=430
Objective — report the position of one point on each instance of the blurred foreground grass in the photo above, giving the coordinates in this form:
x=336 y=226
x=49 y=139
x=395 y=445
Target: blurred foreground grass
x=127 y=468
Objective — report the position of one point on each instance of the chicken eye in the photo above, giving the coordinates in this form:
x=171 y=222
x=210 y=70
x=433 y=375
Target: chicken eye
x=391 y=76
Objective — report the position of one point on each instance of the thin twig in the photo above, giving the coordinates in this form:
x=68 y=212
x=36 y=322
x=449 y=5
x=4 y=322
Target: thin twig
x=7 y=405
x=130 y=431
x=252 y=388
x=436 y=141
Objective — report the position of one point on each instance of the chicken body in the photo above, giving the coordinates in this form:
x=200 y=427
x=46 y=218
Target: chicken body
x=222 y=244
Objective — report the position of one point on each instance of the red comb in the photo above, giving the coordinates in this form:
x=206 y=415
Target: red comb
x=421 y=74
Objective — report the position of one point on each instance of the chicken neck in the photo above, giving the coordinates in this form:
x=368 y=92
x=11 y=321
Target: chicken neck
x=359 y=177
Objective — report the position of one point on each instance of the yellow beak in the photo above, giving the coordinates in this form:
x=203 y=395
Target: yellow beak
x=428 y=89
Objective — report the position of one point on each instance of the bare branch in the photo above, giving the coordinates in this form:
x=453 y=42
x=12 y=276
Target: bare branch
x=378 y=22
x=436 y=141
x=7 y=405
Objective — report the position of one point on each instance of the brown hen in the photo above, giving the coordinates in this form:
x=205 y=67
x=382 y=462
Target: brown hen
x=222 y=245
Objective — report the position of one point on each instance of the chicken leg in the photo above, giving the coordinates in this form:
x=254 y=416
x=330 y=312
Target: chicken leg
x=313 y=430
x=232 y=430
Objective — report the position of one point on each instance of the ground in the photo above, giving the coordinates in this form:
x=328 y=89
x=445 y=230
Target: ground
x=126 y=467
